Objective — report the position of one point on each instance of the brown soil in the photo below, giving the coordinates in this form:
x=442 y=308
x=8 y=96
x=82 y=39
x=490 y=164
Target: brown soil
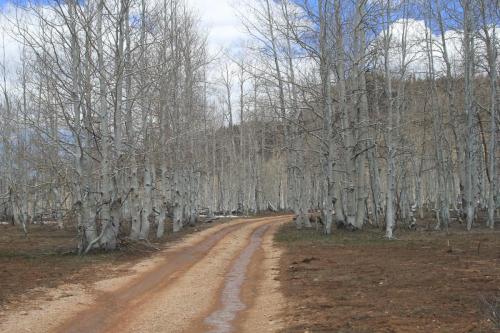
x=261 y=293
x=172 y=291
x=425 y=281
x=360 y=282
x=46 y=258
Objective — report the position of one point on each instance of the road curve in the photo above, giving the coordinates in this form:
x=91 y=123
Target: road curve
x=219 y=280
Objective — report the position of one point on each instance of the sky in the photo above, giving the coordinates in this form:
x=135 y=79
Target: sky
x=220 y=19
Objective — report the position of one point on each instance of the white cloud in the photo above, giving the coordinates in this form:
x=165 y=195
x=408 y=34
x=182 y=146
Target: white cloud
x=219 y=18
x=417 y=61
x=10 y=48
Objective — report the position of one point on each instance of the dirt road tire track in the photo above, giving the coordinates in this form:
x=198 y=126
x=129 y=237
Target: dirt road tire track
x=173 y=292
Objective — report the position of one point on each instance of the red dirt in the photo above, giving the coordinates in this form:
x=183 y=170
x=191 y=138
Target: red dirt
x=46 y=258
x=359 y=282
x=102 y=316
x=169 y=291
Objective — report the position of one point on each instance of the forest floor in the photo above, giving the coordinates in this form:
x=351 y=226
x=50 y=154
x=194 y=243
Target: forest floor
x=425 y=281
x=252 y=275
x=220 y=279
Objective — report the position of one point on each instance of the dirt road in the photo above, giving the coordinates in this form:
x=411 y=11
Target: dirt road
x=219 y=280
